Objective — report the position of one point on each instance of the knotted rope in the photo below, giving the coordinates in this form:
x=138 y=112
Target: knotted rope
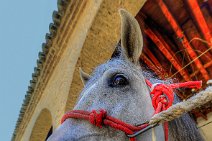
x=101 y=118
x=162 y=95
x=180 y=108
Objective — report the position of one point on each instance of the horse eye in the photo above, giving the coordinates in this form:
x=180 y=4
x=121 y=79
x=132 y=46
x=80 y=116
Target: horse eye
x=118 y=80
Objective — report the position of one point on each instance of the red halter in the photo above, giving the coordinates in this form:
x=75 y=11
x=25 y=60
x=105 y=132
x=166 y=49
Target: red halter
x=162 y=98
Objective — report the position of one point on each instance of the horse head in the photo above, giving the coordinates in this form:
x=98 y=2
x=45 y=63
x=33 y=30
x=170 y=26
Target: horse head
x=117 y=86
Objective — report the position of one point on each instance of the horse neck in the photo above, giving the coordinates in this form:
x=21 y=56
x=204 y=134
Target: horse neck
x=154 y=134
x=184 y=128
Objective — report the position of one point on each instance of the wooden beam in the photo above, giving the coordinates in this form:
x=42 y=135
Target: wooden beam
x=163 y=49
x=178 y=31
x=200 y=20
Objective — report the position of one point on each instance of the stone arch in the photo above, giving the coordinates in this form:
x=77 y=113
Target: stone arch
x=42 y=127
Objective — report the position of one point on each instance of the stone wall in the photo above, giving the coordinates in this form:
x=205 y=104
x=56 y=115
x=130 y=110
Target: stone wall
x=43 y=123
x=205 y=127
x=86 y=37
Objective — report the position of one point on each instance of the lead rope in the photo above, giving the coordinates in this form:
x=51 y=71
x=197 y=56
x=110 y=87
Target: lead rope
x=180 y=108
x=101 y=118
x=162 y=98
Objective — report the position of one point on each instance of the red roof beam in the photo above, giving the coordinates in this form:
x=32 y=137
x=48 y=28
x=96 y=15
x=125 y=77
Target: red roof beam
x=178 y=31
x=153 y=58
x=190 y=30
x=163 y=49
x=160 y=37
x=161 y=46
x=200 y=20
x=151 y=65
x=157 y=64
x=205 y=66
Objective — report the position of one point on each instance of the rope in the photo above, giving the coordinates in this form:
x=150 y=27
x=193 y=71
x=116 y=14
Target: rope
x=180 y=108
x=101 y=118
x=162 y=98
x=210 y=47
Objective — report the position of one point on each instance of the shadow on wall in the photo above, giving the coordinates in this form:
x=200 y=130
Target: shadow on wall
x=43 y=126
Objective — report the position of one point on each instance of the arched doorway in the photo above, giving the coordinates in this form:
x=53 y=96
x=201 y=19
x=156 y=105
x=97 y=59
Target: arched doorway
x=43 y=126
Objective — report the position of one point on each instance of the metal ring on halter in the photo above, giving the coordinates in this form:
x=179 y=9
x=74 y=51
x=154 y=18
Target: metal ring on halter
x=143 y=130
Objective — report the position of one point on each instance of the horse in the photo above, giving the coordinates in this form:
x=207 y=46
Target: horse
x=118 y=86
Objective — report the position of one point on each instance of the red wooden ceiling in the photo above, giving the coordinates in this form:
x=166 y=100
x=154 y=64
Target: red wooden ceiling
x=177 y=42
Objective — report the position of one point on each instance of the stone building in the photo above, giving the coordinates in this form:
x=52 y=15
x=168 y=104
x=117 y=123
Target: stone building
x=83 y=34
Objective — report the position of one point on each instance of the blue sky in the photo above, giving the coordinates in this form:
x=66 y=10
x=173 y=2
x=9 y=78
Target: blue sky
x=23 y=25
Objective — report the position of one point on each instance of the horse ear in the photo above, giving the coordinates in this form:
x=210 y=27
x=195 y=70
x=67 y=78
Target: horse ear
x=117 y=51
x=84 y=76
x=131 y=36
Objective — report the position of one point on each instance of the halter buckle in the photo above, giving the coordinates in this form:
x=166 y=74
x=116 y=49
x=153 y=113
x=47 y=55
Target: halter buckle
x=143 y=130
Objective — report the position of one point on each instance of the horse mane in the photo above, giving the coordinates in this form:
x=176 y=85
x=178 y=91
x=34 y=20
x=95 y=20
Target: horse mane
x=184 y=128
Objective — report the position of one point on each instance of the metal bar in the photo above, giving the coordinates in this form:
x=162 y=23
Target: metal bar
x=143 y=130
x=178 y=31
x=199 y=18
